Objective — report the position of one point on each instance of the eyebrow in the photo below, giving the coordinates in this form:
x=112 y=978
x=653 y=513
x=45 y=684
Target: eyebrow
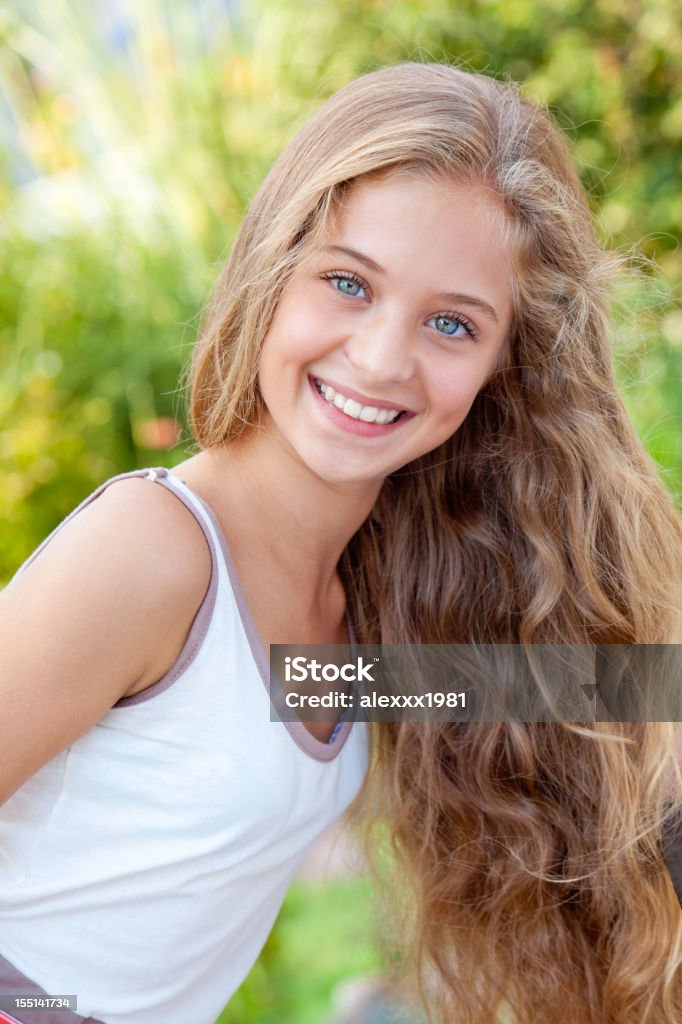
x=456 y=298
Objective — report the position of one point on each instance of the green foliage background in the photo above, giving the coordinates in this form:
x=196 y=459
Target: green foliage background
x=126 y=167
x=126 y=170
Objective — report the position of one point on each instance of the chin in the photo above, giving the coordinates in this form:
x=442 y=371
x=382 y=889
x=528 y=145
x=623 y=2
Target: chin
x=341 y=479
x=344 y=476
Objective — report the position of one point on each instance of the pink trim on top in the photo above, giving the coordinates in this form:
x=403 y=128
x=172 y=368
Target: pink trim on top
x=302 y=737
x=13 y=982
x=305 y=740
x=202 y=619
x=75 y=511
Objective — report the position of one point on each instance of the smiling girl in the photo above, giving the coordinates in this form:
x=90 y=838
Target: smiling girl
x=406 y=421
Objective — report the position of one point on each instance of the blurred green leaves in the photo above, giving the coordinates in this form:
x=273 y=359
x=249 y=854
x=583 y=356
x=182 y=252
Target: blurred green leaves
x=136 y=134
x=323 y=935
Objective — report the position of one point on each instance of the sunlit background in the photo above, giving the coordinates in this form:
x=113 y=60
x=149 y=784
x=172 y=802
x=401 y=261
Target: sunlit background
x=135 y=132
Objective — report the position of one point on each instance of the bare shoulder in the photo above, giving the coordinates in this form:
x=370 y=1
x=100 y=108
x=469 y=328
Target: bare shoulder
x=167 y=560
x=136 y=542
x=157 y=525
x=102 y=611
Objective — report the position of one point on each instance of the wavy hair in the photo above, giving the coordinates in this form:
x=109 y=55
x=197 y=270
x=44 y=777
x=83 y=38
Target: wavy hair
x=538 y=887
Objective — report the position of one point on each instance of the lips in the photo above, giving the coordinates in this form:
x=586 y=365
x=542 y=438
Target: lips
x=356 y=411
x=351 y=417
x=363 y=399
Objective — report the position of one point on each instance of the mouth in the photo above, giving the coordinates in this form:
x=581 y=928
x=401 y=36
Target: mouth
x=380 y=414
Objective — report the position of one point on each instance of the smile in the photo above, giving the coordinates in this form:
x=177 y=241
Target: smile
x=353 y=409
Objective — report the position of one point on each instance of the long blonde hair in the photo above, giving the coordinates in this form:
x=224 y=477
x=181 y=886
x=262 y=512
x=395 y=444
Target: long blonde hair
x=534 y=851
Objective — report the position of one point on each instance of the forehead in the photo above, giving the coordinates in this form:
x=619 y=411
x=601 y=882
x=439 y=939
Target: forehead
x=442 y=234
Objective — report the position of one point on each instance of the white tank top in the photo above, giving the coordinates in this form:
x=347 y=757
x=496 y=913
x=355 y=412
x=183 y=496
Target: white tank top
x=143 y=867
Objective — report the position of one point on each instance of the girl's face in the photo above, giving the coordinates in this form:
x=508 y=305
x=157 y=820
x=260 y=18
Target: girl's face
x=382 y=340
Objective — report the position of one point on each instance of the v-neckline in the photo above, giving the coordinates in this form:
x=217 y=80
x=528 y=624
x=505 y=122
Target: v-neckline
x=304 y=739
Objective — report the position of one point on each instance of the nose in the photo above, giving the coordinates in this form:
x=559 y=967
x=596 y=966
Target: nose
x=381 y=352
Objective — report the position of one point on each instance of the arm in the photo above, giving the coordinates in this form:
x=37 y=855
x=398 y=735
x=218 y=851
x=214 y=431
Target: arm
x=103 y=611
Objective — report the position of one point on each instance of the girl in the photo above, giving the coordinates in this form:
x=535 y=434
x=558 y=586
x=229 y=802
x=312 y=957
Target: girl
x=406 y=420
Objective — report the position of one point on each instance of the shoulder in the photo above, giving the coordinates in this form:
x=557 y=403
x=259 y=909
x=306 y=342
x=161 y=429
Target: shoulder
x=136 y=559
x=150 y=523
x=168 y=557
x=135 y=528
x=102 y=611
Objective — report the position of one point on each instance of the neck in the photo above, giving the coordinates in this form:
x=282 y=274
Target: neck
x=298 y=523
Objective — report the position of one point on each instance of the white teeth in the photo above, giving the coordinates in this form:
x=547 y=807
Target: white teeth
x=366 y=413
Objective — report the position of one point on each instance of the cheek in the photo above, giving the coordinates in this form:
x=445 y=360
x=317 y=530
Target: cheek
x=453 y=396
x=292 y=341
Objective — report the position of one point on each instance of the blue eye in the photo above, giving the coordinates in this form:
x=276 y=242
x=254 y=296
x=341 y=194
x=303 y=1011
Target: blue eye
x=346 y=283
x=348 y=287
x=452 y=326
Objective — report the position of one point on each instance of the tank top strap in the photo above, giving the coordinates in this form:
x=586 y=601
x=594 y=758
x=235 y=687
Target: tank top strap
x=202 y=620
x=172 y=483
x=204 y=615
x=74 y=512
x=159 y=474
